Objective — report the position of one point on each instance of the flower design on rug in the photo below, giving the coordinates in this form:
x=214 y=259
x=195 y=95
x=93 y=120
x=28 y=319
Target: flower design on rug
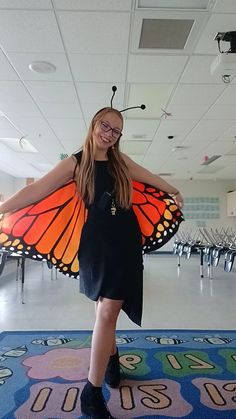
x=69 y=364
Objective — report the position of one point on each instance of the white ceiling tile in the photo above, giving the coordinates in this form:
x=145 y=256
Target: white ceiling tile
x=228 y=173
x=98 y=68
x=5 y=123
x=6 y=70
x=153 y=96
x=225 y=6
x=89 y=109
x=25 y=4
x=43 y=91
x=217 y=23
x=35 y=129
x=219 y=148
x=105 y=37
x=121 y=5
x=100 y=92
x=142 y=128
x=233 y=80
x=177 y=129
x=21 y=63
x=12 y=109
x=229 y=135
x=155 y=69
x=60 y=110
x=13 y=91
x=183 y=112
x=72 y=145
x=221 y=112
x=29 y=31
x=70 y=127
x=136 y=158
x=198 y=71
x=207 y=131
x=9 y=132
x=135 y=147
x=228 y=97
x=187 y=94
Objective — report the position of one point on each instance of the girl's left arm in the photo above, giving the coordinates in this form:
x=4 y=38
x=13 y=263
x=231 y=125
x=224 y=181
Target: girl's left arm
x=141 y=174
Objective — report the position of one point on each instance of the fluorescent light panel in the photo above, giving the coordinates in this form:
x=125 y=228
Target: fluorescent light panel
x=173 y=4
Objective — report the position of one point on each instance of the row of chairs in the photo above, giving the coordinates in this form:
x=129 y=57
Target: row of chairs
x=20 y=267
x=212 y=245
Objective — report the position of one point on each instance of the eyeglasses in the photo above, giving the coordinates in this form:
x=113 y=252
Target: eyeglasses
x=116 y=133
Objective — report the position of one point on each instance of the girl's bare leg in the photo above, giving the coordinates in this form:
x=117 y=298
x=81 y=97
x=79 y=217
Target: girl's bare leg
x=103 y=338
x=113 y=348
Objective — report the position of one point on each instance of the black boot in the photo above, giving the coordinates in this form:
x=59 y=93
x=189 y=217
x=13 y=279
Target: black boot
x=93 y=404
x=112 y=375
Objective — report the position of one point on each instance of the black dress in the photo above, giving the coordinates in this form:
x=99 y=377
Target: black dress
x=110 y=252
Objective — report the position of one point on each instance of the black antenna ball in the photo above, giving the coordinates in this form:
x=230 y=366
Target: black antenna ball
x=143 y=107
x=114 y=89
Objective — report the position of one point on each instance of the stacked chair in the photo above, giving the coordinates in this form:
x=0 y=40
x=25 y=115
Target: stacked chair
x=212 y=246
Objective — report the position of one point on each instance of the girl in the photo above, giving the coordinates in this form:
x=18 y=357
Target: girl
x=110 y=252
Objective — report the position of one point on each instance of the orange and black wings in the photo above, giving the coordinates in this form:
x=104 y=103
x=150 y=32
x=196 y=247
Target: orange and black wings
x=50 y=229
x=158 y=215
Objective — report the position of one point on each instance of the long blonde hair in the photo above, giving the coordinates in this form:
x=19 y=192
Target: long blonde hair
x=117 y=167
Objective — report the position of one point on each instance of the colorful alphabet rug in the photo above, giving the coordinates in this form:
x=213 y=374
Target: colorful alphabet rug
x=165 y=374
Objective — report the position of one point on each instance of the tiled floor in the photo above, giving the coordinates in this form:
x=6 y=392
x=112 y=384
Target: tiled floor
x=172 y=299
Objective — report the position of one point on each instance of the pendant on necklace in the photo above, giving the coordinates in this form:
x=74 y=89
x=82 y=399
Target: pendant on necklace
x=113 y=208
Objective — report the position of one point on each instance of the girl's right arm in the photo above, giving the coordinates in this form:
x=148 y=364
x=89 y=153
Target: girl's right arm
x=61 y=174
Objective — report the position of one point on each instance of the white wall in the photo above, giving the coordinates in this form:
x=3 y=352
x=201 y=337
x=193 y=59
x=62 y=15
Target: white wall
x=19 y=183
x=6 y=185
x=205 y=188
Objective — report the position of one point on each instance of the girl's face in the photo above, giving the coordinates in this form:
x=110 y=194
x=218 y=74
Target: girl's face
x=107 y=131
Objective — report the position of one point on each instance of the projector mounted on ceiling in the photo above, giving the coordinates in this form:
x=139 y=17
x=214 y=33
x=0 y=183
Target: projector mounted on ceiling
x=224 y=64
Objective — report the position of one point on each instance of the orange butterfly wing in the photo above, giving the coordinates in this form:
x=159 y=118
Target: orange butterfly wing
x=49 y=229
x=158 y=215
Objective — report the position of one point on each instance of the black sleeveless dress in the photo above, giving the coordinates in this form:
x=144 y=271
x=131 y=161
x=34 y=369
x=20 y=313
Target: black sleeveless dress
x=110 y=252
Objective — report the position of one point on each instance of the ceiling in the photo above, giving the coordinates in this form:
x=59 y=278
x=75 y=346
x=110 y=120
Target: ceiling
x=96 y=44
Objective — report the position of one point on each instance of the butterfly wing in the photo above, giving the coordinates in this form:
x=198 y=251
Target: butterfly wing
x=158 y=215
x=49 y=229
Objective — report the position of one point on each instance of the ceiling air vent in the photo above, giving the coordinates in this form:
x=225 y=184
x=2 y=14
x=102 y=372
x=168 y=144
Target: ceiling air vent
x=165 y=33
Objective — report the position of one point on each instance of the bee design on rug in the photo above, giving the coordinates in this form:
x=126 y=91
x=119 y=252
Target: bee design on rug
x=165 y=340
x=214 y=340
x=14 y=353
x=4 y=374
x=124 y=339
x=51 y=341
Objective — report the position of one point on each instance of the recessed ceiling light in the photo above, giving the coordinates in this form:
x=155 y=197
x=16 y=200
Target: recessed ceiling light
x=42 y=67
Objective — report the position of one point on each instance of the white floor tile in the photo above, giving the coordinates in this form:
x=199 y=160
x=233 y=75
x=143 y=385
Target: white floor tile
x=172 y=299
